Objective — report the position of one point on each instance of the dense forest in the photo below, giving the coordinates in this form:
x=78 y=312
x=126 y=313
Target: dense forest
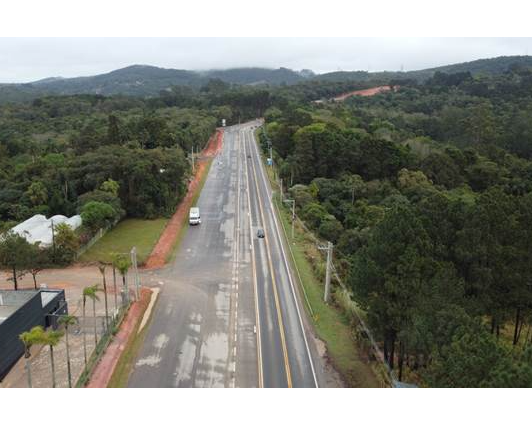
x=57 y=152
x=426 y=193
x=110 y=157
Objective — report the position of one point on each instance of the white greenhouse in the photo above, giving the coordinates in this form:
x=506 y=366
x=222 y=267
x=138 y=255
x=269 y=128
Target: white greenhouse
x=39 y=229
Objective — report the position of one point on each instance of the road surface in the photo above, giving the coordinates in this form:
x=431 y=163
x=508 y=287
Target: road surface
x=229 y=313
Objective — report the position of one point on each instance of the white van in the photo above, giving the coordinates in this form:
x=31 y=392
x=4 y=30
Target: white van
x=194 y=216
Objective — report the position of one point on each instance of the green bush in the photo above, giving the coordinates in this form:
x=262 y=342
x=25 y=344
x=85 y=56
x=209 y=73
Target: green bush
x=96 y=215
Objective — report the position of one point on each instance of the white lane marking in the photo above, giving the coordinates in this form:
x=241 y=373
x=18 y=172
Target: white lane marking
x=256 y=328
x=288 y=270
x=271 y=273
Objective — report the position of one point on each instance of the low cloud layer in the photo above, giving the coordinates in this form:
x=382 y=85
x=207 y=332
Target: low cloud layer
x=29 y=59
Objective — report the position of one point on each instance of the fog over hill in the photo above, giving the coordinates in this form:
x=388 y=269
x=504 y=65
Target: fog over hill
x=146 y=80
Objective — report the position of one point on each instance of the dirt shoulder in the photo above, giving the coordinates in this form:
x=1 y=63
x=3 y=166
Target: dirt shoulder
x=118 y=351
x=166 y=242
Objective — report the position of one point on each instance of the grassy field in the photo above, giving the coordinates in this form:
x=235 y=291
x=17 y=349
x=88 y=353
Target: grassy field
x=143 y=234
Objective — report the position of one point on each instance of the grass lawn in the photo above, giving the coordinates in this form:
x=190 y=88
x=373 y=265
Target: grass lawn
x=141 y=233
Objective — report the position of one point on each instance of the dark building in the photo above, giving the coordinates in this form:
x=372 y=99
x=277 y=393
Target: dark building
x=19 y=312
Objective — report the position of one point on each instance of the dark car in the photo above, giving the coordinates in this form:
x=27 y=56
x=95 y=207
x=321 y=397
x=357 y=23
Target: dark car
x=260 y=233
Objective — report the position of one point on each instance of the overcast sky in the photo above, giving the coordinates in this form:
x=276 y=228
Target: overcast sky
x=30 y=59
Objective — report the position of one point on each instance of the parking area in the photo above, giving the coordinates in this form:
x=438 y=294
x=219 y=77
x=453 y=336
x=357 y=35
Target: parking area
x=72 y=280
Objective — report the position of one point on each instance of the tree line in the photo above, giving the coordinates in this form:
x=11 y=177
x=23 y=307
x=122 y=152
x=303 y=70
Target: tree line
x=426 y=194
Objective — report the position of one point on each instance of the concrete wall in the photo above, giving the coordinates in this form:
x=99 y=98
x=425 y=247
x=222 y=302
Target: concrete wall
x=23 y=319
x=30 y=313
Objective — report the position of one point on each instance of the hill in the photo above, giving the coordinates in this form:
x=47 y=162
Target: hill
x=258 y=76
x=146 y=81
x=492 y=66
x=135 y=80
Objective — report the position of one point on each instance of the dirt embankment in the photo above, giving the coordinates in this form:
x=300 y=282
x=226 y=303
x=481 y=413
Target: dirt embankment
x=165 y=244
x=364 y=92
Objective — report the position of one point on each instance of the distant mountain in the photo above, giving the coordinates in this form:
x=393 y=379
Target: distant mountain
x=145 y=80
x=135 y=80
x=497 y=65
x=257 y=76
x=48 y=80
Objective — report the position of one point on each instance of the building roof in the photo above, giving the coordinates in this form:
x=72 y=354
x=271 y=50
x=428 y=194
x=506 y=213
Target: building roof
x=12 y=300
x=39 y=229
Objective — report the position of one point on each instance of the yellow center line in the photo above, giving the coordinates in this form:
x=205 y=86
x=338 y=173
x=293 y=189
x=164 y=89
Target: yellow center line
x=274 y=283
x=255 y=290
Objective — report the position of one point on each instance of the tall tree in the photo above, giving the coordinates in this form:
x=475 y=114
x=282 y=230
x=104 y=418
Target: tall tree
x=388 y=275
x=67 y=321
x=89 y=292
x=15 y=253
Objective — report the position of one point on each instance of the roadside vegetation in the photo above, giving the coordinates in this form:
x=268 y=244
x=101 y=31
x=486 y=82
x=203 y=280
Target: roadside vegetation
x=333 y=325
x=425 y=193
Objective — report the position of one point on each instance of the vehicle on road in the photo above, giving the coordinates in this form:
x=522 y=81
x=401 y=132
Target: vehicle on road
x=194 y=216
x=260 y=233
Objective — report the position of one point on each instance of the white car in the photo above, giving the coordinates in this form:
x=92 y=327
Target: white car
x=194 y=217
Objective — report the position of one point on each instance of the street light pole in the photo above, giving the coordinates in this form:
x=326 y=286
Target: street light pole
x=135 y=271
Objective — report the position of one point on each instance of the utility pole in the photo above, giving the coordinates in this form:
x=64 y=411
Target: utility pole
x=329 y=249
x=192 y=158
x=291 y=177
x=293 y=214
x=281 y=188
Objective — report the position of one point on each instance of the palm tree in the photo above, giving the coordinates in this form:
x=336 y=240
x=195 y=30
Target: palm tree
x=102 y=267
x=30 y=338
x=52 y=338
x=90 y=292
x=67 y=321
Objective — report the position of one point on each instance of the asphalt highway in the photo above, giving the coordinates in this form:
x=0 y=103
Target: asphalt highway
x=229 y=314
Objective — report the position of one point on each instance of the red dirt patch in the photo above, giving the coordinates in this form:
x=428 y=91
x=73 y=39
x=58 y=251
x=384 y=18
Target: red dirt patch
x=105 y=368
x=163 y=247
x=366 y=92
